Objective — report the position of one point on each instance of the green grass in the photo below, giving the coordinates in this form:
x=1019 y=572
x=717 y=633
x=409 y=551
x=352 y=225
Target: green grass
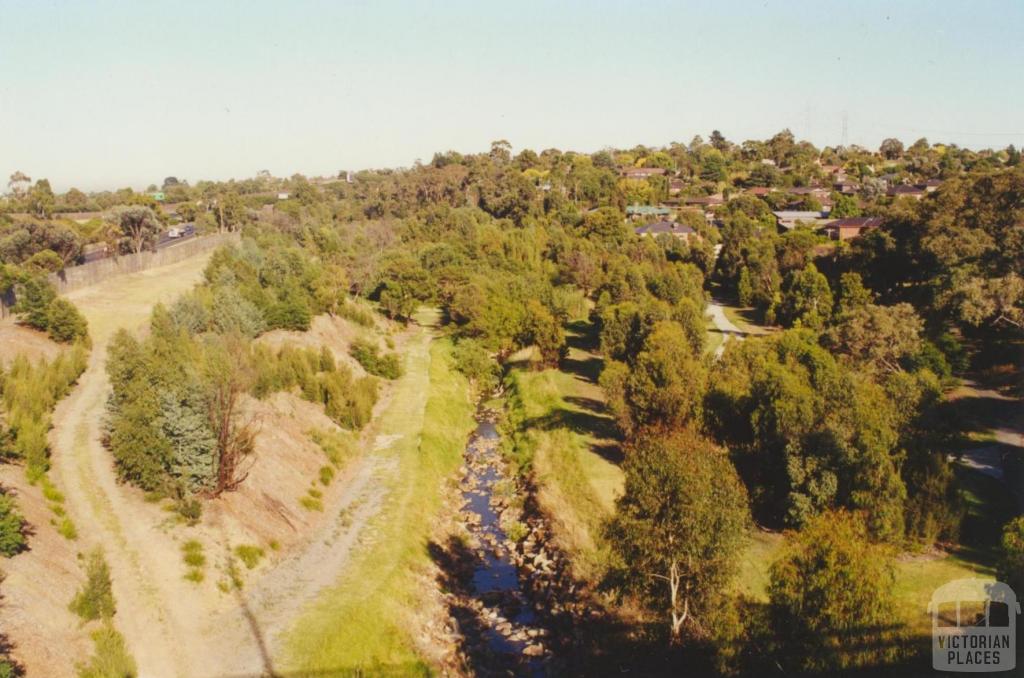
x=917 y=576
x=363 y=623
x=249 y=555
x=576 y=486
x=714 y=338
x=192 y=553
x=743 y=318
x=110 y=658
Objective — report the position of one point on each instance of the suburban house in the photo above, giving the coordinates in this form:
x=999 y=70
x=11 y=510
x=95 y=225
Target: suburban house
x=851 y=227
x=789 y=219
x=675 y=186
x=673 y=228
x=846 y=187
x=904 y=191
x=705 y=200
x=931 y=185
x=640 y=211
x=283 y=195
x=813 y=191
x=760 y=191
x=642 y=172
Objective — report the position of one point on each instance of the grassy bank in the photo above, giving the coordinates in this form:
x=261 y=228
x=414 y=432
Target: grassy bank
x=363 y=623
x=557 y=428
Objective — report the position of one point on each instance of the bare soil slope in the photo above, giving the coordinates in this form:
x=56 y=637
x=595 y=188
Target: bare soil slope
x=227 y=623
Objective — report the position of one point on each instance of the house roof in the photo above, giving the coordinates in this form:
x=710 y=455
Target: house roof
x=659 y=227
x=855 y=222
x=716 y=199
x=788 y=215
x=760 y=190
x=905 y=190
x=648 y=210
x=642 y=171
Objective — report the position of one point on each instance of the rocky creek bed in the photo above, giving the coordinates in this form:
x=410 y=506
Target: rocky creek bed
x=509 y=591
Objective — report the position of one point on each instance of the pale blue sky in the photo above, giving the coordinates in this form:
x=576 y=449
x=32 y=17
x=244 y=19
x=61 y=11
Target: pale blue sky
x=116 y=93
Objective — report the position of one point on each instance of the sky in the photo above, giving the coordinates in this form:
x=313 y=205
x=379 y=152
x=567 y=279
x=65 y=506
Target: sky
x=106 y=94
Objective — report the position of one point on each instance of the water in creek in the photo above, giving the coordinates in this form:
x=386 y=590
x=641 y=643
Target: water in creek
x=511 y=630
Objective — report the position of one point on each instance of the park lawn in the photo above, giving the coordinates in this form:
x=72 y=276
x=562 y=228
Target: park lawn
x=917 y=575
x=714 y=337
x=362 y=625
x=576 y=484
x=743 y=318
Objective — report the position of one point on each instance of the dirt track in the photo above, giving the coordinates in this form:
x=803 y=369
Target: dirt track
x=172 y=627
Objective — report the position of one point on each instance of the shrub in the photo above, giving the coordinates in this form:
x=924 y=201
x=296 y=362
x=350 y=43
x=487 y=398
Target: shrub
x=110 y=658
x=326 y=475
x=66 y=528
x=368 y=355
x=64 y=322
x=829 y=585
x=192 y=553
x=249 y=554
x=12 y=527
x=359 y=316
x=34 y=297
x=95 y=600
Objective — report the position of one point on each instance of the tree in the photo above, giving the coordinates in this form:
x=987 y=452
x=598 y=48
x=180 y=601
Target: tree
x=1011 y=565
x=878 y=337
x=845 y=206
x=76 y=199
x=679 y=527
x=852 y=293
x=40 y=200
x=136 y=227
x=12 y=527
x=228 y=376
x=719 y=141
x=891 y=149
x=19 y=183
x=664 y=386
x=806 y=298
x=64 y=322
x=34 y=297
x=831 y=594
x=544 y=331
x=501 y=151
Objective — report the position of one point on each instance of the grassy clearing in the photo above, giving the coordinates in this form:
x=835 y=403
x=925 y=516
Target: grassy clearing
x=362 y=625
x=558 y=429
x=743 y=318
x=917 y=576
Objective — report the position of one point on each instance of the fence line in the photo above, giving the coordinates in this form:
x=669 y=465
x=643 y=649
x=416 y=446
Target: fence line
x=77 y=277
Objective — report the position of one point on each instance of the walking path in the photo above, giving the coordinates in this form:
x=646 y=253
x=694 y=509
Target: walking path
x=724 y=325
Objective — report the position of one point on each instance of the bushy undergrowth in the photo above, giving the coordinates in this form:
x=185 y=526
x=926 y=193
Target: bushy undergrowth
x=370 y=357
x=111 y=658
x=12 y=527
x=95 y=600
x=346 y=400
x=30 y=393
x=39 y=307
